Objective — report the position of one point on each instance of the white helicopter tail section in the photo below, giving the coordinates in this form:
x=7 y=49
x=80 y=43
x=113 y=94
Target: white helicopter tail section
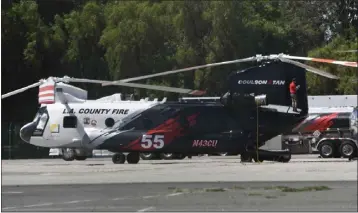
x=51 y=92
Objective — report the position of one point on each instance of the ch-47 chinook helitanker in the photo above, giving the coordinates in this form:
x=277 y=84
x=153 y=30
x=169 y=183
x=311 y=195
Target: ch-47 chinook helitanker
x=255 y=108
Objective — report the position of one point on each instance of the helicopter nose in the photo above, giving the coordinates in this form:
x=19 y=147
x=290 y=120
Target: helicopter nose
x=26 y=131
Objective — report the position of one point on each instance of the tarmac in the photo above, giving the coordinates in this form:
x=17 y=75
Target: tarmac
x=306 y=183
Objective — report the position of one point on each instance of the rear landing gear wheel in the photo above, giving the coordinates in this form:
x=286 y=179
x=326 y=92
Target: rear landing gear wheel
x=133 y=158
x=285 y=159
x=246 y=157
x=179 y=156
x=257 y=160
x=118 y=158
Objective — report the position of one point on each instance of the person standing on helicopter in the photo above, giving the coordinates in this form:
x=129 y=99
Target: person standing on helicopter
x=293 y=91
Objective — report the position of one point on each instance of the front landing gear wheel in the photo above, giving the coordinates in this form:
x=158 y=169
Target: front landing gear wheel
x=118 y=158
x=68 y=154
x=81 y=157
x=133 y=158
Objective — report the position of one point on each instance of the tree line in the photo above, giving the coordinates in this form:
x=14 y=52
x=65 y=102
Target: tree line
x=111 y=40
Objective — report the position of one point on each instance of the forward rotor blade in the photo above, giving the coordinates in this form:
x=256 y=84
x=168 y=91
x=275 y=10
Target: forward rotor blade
x=310 y=69
x=143 y=86
x=329 y=61
x=21 y=90
x=182 y=70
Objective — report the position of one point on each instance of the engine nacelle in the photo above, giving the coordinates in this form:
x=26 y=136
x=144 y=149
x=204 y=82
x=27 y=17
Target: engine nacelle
x=261 y=100
x=245 y=100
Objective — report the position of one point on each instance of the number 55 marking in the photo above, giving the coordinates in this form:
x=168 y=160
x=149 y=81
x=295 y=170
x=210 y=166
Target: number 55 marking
x=148 y=141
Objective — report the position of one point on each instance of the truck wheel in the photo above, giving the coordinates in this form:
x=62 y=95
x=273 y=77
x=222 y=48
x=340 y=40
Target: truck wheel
x=326 y=149
x=348 y=149
x=147 y=156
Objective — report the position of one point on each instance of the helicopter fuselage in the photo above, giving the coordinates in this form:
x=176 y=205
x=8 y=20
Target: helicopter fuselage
x=136 y=126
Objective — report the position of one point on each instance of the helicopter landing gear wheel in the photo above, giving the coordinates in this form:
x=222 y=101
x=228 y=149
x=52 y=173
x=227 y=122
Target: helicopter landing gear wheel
x=133 y=158
x=245 y=157
x=257 y=160
x=68 y=154
x=285 y=158
x=118 y=158
x=167 y=156
x=81 y=157
x=179 y=156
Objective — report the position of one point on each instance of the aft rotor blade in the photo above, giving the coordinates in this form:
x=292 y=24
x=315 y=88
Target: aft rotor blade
x=183 y=70
x=143 y=86
x=21 y=90
x=329 y=61
x=310 y=69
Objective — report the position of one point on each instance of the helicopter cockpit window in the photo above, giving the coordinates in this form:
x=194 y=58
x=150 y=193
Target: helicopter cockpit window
x=42 y=122
x=70 y=122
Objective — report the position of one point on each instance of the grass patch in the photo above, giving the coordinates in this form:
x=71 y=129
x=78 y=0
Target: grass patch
x=254 y=194
x=197 y=190
x=238 y=187
x=270 y=197
x=303 y=189
x=215 y=190
x=178 y=190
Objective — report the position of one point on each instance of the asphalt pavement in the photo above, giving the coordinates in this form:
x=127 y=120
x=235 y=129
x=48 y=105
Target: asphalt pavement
x=203 y=169
x=199 y=196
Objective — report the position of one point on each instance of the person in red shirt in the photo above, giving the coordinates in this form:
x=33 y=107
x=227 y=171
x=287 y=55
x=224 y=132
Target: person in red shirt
x=293 y=90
